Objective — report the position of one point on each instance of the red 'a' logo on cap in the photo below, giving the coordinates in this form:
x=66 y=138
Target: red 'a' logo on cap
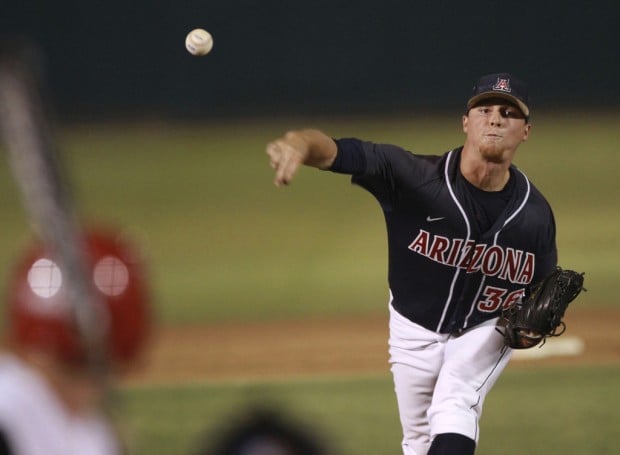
x=502 y=85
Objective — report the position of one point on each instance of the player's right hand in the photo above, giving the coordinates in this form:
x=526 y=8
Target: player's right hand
x=286 y=155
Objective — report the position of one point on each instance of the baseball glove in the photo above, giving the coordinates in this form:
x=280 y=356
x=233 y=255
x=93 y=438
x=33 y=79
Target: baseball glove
x=528 y=323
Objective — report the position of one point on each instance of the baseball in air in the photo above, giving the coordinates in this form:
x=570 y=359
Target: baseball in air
x=199 y=42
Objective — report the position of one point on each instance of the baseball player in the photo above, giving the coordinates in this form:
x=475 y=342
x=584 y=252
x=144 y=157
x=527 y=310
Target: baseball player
x=51 y=399
x=467 y=233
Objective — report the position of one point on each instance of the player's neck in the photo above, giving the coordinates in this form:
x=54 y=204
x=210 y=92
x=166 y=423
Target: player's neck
x=484 y=174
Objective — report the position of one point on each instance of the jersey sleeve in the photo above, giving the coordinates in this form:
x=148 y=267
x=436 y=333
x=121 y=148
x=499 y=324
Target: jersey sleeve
x=350 y=158
x=547 y=257
x=379 y=168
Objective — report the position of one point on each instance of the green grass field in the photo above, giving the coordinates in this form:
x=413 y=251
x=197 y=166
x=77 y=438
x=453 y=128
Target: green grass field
x=547 y=411
x=224 y=244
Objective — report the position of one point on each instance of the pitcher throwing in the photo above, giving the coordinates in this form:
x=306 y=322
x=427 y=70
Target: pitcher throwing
x=468 y=233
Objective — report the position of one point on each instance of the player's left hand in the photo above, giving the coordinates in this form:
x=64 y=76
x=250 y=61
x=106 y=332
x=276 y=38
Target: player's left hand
x=539 y=316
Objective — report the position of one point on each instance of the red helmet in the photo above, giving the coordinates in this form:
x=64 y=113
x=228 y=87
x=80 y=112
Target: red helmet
x=38 y=308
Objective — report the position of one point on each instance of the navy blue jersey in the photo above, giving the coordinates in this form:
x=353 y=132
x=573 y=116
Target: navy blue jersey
x=446 y=270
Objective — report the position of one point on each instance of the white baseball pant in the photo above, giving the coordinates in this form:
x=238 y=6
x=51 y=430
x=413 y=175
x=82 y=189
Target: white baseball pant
x=441 y=380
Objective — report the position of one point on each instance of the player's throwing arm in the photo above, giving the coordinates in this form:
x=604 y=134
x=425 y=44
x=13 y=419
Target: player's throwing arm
x=308 y=147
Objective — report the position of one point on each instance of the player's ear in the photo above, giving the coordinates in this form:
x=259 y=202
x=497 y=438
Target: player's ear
x=526 y=131
x=465 y=119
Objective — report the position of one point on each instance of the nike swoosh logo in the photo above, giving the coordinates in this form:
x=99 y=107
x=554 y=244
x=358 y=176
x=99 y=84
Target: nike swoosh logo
x=430 y=220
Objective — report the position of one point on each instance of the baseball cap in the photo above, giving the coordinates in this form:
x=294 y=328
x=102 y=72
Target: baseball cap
x=500 y=85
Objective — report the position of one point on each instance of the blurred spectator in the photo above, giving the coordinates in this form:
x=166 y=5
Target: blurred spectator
x=53 y=399
x=263 y=431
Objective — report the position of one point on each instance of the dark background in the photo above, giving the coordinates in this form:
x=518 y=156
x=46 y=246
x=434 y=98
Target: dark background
x=127 y=58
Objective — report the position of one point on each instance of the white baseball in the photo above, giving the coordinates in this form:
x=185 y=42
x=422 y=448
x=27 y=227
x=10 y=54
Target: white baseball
x=199 y=42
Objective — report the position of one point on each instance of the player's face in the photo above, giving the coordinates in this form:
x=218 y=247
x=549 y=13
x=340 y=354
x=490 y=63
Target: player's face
x=495 y=128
